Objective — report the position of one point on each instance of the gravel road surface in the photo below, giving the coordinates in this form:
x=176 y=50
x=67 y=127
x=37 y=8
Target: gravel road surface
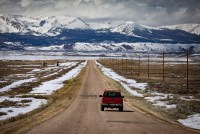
x=83 y=116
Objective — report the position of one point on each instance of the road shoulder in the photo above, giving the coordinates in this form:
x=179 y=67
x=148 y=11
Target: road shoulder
x=139 y=104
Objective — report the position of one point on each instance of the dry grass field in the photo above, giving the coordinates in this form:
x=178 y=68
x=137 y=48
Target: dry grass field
x=174 y=82
x=11 y=71
x=14 y=72
x=57 y=102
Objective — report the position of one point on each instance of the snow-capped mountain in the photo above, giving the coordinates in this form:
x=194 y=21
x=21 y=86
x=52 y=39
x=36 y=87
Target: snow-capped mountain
x=18 y=32
x=47 y=48
x=104 y=26
x=10 y=24
x=157 y=34
x=191 y=28
x=100 y=26
x=128 y=28
x=50 y=26
x=131 y=28
x=121 y=47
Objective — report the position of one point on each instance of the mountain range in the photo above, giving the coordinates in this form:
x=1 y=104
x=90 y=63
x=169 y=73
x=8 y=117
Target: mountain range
x=22 y=32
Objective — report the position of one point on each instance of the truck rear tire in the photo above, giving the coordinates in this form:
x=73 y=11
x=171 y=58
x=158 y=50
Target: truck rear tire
x=121 y=108
x=102 y=108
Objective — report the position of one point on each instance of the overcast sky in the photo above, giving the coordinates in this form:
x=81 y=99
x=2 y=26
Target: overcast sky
x=147 y=12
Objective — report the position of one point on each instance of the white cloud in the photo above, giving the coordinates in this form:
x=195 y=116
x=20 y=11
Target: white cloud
x=182 y=12
x=198 y=12
x=25 y=3
x=148 y=12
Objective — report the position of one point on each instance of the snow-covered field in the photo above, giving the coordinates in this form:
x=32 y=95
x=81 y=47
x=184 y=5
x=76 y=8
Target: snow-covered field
x=123 y=47
x=48 y=87
x=129 y=82
x=61 y=55
x=32 y=74
x=156 y=98
x=37 y=55
x=20 y=108
x=17 y=105
x=192 y=121
x=16 y=84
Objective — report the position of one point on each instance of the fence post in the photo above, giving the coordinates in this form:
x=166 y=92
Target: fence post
x=113 y=63
x=110 y=62
x=117 y=64
x=122 y=66
x=43 y=63
x=131 y=66
x=139 y=66
x=126 y=66
x=187 y=69
x=163 y=66
x=148 y=65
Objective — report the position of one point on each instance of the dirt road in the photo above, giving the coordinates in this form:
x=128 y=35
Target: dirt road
x=84 y=115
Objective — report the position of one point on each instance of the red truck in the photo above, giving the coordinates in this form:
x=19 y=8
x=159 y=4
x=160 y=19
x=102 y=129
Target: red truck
x=112 y=99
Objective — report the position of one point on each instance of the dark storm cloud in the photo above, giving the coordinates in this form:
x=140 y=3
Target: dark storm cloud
x=148 y=12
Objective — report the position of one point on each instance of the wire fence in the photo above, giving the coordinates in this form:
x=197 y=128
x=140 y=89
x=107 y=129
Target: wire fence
x=180 y=71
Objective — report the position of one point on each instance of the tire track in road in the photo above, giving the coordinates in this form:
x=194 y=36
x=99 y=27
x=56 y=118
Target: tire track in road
x=83 y=116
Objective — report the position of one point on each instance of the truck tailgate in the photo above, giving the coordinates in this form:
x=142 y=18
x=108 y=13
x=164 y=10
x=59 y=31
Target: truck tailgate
x=112 y=100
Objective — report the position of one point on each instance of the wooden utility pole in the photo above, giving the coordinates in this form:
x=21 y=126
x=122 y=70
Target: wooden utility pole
x=187 y=68
x=148 y=65
x=44 y=63
x=110 y=62
x=122 y=66
x=126 y=66
x=163 y=66
x=139 y=66
x=131 y=66
x=113 y=62
x=117 y=64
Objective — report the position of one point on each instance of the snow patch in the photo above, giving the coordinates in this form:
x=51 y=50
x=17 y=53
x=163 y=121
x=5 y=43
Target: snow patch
x=164 y=104
x=156 y=97
x=16 y=84
x=189 y=98
x=126 y=83
x=191 y=28
x=15 y=111
x=192 y=121
x=36 y=70
x=49 y=87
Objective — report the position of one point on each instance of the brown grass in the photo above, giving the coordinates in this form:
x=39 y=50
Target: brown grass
x=174 y=77
x=25 y=101
x=57 y=102
x=27 y=87
x=10 y=68
x=174 y=82
x=139 y=103
x=3 y=113
x=7 y=103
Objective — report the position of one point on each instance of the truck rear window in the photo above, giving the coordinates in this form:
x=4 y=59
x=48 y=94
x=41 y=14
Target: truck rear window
x=112 y=94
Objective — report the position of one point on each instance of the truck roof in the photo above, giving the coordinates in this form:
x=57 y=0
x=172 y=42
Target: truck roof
x=112 y=90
